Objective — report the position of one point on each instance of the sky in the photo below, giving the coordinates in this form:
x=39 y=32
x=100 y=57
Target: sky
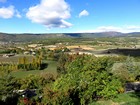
x=69 y=16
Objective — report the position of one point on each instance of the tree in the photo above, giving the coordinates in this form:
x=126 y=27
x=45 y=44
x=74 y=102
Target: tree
x=130 y=65
x=87 y=79
x=62 y=64
x=132 y=68
x=36 y=81
x=7 y=85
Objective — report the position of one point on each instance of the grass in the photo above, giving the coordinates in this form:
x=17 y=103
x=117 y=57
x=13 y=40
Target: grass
x=122 y=99
x=128 y=98
x=51 y=69
x=108 y=102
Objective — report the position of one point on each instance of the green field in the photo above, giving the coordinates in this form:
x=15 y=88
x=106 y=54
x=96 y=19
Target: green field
x=131 y=98
x=21 y=73
x=121 y=99
x=51 y=69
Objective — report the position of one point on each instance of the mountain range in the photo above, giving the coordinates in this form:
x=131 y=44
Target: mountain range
x=25 y=37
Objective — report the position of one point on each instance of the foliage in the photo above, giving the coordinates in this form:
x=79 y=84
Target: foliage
x=129 y=70
x=7 y=85
x=7 y=51
x=62 y=63
x=36 y=81
x=24 y=63
x=120 y=71
x=87 y=79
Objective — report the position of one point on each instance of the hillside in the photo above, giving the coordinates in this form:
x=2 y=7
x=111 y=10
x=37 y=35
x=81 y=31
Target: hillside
x=26 y=37
x=31 y=37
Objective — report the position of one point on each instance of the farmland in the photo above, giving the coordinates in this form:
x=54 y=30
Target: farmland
x=69 y=52
x=51 y=48
x=70 y=67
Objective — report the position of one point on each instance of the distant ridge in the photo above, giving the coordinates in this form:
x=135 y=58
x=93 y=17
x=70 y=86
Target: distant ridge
x=31 y=37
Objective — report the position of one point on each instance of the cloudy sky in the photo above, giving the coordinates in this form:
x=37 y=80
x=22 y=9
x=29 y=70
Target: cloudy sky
x=69 y=16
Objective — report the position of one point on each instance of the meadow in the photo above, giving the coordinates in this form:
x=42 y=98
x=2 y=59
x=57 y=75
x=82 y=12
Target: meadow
x=50 y=69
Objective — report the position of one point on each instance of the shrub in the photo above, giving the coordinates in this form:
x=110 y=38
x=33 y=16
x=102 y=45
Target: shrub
x=87 y=79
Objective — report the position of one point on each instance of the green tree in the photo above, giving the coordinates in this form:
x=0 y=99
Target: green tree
x=132 y=68
x=7 y=86
x=36 y=81
x=87 y=79
x=62 y=64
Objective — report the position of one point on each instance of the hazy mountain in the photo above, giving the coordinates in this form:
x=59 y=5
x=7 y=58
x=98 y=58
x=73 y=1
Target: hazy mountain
x=133 y=34
x=32 y=37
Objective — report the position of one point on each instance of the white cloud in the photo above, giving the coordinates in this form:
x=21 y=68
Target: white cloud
x=133 y=28
x=18 y=14
x=123 y=29
x=3 y=1
x=83 y=13
x=7 y=12
x=51 y=13
x=108 y=28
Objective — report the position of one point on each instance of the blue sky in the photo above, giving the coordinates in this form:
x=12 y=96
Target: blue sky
x=69 y=16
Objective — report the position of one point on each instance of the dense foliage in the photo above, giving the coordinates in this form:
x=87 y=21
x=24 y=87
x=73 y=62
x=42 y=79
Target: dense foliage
x=87 y=79
x=7 y=85
x=82 y=79
x=24 y=63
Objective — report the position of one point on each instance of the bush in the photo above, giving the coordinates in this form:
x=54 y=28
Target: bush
x=87 y=79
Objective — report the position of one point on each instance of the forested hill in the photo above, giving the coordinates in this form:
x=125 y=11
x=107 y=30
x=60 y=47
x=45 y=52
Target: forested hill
x=27 y=37
x=31 y=37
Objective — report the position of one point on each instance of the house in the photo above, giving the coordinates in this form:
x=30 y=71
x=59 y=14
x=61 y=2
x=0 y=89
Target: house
x=26 y=52
x=8 y=55
x=34 y=45
x=33 y=53
x=80 y=53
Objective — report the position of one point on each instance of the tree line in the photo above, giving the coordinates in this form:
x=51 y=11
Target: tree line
x=24 y=63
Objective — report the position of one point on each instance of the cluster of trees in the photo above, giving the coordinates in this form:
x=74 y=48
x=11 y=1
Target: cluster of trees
x=86 y=79
x=127 y=71
x=10 y=85
x=7 y=85
x=7 y=51
x=82 y=79
x=8 y=66
x=24 y=64
x=13 y=50
x=55 y=54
